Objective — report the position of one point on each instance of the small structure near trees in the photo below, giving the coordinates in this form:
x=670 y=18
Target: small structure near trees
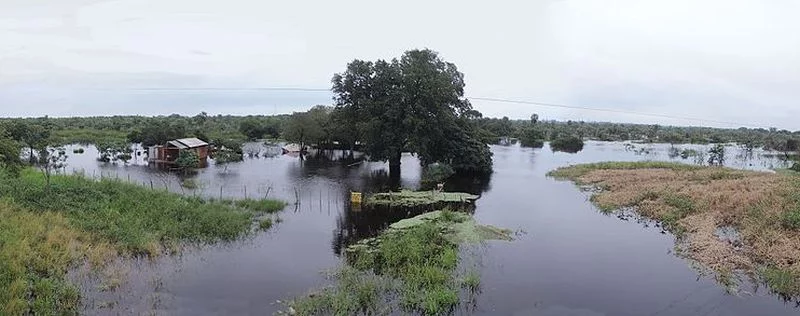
x=174 y=149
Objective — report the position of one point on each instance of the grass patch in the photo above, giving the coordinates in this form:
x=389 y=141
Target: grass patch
x=791 y=219
x=36 y=249
x=471 y=281
x=135 y=218
x=410 y=267
x=575 y=171
x=781 y=281
x=45 y=230
x=265 y=224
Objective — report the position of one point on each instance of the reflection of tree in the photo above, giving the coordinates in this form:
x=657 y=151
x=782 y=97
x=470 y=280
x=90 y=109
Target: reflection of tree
x=355 y=224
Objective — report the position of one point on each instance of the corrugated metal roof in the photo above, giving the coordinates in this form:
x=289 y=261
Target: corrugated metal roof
x=192 y=142
x=178 y=144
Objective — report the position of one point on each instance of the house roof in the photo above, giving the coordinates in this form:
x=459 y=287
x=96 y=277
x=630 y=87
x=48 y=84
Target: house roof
x=185 y=143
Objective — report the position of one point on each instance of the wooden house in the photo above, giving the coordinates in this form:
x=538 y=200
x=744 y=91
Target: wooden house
x=170 y=151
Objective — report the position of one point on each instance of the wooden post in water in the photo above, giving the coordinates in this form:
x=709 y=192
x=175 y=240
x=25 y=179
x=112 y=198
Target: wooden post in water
x=151 y=184
x=220 y=192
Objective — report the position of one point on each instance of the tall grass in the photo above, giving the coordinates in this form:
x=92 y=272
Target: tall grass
x=36 y=249
x=137 y=219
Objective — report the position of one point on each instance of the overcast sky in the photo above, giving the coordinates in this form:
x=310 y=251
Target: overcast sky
x=727 y=60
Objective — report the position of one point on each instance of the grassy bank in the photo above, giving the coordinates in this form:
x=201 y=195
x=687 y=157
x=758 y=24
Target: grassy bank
x=46 y=230
x=699 y=204
x=412 y=267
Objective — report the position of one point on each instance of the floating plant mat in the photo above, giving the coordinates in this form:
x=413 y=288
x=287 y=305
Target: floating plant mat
x=407 y=198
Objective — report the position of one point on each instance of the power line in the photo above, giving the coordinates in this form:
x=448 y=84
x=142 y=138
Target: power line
x=576 y=107
x=555 y=105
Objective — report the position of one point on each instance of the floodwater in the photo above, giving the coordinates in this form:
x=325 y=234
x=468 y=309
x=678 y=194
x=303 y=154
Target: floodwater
x=568 y=259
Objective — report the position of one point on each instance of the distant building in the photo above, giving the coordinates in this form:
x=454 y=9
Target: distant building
x=170 y=151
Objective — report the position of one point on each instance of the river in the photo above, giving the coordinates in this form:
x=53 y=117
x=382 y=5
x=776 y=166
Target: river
x=567 y=257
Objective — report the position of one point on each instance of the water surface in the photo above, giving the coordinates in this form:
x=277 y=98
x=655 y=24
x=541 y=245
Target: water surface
x=569 y=260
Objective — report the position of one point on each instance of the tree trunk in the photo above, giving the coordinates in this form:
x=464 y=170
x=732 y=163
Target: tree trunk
x=394 y=165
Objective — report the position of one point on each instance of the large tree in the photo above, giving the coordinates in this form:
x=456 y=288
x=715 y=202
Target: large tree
x=412 y=104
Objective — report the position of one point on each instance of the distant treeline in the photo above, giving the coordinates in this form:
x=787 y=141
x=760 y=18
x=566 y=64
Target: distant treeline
x=531 y=130
x=318 y=127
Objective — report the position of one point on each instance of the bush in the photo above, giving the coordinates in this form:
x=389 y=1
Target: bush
x=532 y=137
x=187 y=159
x=568 y=144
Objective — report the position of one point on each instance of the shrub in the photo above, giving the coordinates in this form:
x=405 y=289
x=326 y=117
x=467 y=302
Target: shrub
x=568 y=144
x=187 y=159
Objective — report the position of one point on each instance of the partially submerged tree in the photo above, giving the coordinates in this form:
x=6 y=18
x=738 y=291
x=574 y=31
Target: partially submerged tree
x=412 y=104
x=227 y=151
x=305 y=127
x=51 y=159
x=33 y=135
x=716 y=155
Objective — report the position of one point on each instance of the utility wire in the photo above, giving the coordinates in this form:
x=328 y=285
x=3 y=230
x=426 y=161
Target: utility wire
x=565 y=106
x=554 y=105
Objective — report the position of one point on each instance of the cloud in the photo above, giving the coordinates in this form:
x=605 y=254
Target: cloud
x=719 y=60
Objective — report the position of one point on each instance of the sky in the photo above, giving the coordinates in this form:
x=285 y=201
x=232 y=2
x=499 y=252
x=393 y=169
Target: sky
x=730 y=63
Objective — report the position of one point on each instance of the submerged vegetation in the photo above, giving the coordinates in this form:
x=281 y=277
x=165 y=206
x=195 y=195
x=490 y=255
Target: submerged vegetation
x=696 y=203
x=411 y=267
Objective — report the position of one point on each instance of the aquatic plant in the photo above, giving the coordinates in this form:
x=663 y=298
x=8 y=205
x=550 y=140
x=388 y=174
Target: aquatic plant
x=409 y=267
x=407 y=198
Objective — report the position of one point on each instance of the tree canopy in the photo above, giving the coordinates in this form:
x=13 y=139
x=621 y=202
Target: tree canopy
x=412 y=104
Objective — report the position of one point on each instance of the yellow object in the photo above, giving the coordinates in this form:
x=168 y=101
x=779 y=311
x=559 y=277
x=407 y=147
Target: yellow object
x=355 y=197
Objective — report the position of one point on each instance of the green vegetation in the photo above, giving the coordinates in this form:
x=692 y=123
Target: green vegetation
x=569 y=144
x=265 y=223
x=187 y=159
x=408 y=198
x=36 y=249
x=576 y=171
x=390 y=107
x=410 y=267
x=227 y=151
x=781 y=281
x=136 y=219
x=88 y=136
